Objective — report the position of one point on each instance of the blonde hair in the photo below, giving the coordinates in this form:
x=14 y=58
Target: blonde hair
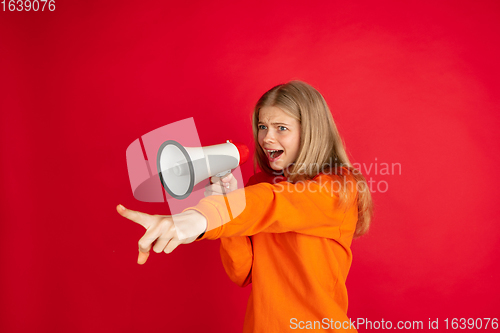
x=320 y=143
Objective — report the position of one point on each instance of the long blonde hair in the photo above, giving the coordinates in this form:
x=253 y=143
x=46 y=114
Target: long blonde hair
x=320 y=143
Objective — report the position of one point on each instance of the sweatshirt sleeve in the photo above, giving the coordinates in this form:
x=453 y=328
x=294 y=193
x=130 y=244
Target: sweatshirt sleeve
x=237 y=258
x=310 y=207
x=237 y=254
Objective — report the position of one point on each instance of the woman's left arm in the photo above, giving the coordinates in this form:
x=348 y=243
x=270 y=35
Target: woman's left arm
x=237 y=258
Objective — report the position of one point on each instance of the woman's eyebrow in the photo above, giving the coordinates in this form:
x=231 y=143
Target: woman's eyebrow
x=278 y=123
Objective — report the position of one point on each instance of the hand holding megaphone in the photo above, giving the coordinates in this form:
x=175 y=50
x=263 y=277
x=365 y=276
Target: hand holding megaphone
x=221 y=185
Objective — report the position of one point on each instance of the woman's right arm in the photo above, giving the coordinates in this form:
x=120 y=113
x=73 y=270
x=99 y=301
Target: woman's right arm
x=312 y=207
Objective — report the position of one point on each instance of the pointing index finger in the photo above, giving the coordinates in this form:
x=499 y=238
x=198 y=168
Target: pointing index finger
x=133 y=215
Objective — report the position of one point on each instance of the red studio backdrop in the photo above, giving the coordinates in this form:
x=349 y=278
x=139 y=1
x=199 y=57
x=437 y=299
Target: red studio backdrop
x=413 y=88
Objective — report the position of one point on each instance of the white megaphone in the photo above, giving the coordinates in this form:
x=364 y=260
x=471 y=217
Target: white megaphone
x=181 y=168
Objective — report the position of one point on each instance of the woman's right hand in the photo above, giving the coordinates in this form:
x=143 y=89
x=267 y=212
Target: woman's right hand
x=229 y=183
x=163 y=231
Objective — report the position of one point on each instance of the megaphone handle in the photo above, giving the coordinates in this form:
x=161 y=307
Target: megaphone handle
x=223 y=173
x=220 y=175
x=223 y=189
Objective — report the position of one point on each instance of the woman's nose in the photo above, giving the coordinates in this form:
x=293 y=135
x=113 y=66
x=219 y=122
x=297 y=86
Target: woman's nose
x=269 y=138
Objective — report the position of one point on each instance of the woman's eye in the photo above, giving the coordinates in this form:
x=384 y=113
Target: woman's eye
x=262 y=127
x=282 y=128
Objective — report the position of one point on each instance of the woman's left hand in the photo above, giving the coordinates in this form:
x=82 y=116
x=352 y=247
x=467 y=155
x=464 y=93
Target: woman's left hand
x=162 y=230
x=220 y=186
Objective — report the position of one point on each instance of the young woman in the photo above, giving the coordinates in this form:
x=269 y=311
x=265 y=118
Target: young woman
x=289 y=231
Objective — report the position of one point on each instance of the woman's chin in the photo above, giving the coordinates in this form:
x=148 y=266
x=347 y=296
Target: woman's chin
x=276 y=168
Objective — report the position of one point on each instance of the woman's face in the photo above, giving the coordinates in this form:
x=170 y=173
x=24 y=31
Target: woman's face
x=279 y=137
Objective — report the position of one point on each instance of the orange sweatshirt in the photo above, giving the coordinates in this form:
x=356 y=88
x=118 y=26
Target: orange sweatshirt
x=292 y=242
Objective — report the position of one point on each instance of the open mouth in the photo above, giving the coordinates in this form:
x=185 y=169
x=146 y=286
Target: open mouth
x=274 y=154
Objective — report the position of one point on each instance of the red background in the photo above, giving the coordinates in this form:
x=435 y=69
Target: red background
x=414 y=83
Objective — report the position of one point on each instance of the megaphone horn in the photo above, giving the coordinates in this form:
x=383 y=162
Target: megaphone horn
x=181 y=168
